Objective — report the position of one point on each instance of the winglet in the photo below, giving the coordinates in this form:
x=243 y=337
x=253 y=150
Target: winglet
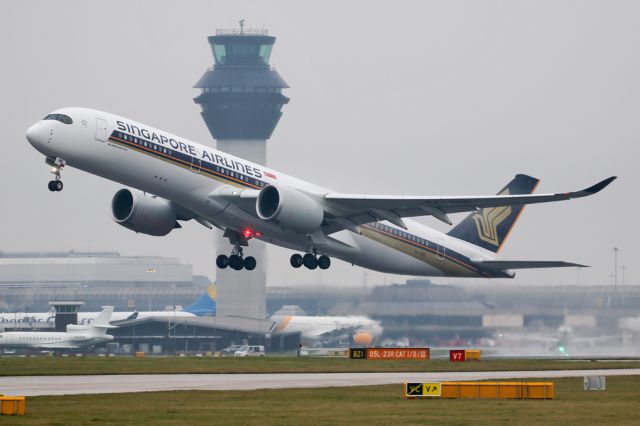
x=600 y=185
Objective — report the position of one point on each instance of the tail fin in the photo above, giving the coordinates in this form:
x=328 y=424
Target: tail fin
x=490 y=227
x=103 y=318
x=205 y=304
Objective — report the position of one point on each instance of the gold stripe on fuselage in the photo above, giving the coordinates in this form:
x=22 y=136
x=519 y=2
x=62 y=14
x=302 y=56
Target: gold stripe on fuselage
x=443 y=262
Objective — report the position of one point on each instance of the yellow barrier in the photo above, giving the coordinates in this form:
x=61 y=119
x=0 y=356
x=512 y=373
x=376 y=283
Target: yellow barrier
x=472 y=354
x=12 y=405
x=498 y=390
x=139 y=354
x=480 y=390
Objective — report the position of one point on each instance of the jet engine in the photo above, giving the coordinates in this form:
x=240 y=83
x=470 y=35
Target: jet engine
x=143 y=213
x=362 y=338
x=292 y=209
x=75 y=328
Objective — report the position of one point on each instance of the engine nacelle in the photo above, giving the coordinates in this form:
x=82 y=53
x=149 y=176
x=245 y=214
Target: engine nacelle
x=290 y=208
x=143 y=213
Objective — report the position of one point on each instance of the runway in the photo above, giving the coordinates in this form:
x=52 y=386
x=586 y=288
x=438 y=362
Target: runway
x=69 y=385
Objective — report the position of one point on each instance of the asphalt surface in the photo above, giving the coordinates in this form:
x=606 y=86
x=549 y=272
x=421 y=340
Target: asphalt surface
x=67 y=385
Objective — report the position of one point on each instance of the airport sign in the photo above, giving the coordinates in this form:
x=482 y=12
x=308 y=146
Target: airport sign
x=421 y=390
x=389 y=353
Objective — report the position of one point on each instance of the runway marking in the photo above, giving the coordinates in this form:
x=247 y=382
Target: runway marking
x=96 y=384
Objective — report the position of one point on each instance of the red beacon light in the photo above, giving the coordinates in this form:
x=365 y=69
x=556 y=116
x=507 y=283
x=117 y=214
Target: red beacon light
x=247 y=233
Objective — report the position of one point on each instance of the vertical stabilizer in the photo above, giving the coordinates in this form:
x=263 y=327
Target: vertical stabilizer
x=490 y=227
x=103 y=318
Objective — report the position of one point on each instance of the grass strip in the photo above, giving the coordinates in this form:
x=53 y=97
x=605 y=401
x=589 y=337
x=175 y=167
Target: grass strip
x=37 y=366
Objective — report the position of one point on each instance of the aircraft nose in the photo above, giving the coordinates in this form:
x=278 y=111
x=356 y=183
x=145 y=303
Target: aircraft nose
x=35 y=135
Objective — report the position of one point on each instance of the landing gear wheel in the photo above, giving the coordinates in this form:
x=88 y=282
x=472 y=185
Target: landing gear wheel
x=222 y=261
x=52 y=186
x=58 y=185
x=296 y=260
x=250 y=263
x=235 y=262
x=310 y=261
x=324 y=262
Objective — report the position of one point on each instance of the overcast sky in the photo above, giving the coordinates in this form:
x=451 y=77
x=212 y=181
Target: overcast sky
x=420 y=98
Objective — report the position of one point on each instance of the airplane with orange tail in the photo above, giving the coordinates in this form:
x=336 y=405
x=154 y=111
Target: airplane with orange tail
x=361 y=330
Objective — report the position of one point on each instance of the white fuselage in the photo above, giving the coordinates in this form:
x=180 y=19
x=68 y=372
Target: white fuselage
x=316 y=327
x=86 y=318
x=50 y=340
x=189 y=174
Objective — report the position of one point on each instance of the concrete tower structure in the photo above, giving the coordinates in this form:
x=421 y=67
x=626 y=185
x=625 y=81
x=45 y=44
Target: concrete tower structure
x=241 y=100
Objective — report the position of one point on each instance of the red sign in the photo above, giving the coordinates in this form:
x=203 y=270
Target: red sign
x=457 y=355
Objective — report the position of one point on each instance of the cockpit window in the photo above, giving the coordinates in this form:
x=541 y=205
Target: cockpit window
x=59 y=117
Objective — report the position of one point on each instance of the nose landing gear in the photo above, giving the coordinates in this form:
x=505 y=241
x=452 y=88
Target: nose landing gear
x=56 y=164
x=55 y=185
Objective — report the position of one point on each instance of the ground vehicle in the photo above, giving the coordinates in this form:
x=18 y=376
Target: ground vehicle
x=255 y=350
x=230 y=351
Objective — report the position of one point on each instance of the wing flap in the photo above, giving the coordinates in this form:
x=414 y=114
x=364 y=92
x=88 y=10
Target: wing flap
x=526 y=264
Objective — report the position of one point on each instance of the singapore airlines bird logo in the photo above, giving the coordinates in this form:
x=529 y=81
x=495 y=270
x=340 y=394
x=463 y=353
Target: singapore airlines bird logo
x=488 y=220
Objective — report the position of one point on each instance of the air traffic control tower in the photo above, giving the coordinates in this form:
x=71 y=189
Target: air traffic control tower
x=241 y=100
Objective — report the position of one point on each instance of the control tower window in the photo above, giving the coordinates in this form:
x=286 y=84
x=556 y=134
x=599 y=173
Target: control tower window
x=265 y=52
x=242 y=53
x=59 y=117
x=243 y=50
x=219 y=53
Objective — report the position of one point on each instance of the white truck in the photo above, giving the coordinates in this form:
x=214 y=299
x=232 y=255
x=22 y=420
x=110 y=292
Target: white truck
x=250 y=350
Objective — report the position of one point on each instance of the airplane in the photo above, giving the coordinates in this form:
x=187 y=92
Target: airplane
x=361 y=329
x=203 y=305
x=179 y=180
x=75 y=337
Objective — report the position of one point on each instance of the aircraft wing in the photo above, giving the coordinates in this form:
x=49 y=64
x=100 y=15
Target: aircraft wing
x=349 y=210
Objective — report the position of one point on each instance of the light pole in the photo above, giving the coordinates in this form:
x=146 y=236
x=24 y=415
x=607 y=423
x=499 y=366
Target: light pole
x=150 y=271
x=615 y=267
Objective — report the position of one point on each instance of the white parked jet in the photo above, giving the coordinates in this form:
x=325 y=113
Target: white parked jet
x=247 y=200
x=76 y=336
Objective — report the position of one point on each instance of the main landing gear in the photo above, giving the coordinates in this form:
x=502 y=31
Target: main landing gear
x=56 y=164
x=310 y=260
x=236 y=260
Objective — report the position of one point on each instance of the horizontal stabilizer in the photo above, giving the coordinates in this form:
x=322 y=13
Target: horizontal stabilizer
x=526 y=264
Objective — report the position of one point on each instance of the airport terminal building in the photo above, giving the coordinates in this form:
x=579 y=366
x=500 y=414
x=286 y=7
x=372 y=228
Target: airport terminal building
x=29 y=280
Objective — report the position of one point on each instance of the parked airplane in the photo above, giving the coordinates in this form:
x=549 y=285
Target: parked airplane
x=203 y=305
x=247 y=200
x=360 y=329
x=76 y=336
